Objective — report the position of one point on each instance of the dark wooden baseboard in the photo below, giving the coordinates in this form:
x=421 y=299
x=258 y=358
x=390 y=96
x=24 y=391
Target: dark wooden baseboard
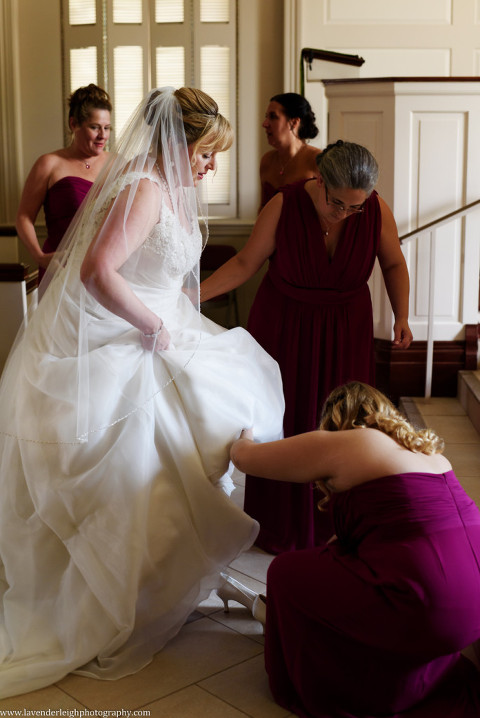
x=401 y=372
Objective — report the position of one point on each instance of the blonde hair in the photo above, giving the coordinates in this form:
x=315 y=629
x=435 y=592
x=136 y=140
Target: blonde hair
x=356 y=404
x=205 y=128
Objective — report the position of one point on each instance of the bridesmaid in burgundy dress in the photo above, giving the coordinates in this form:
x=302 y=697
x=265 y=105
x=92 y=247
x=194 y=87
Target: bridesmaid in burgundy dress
x=372 y=624
x=313 y=311
x=60 y=180
x=289 y=123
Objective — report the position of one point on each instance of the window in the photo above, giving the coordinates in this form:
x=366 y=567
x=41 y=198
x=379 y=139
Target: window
x=130 y=46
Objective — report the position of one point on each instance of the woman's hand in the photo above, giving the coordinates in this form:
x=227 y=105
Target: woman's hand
x=157 y=341
x=246 y=434
x=402 y=335
x=44 y=259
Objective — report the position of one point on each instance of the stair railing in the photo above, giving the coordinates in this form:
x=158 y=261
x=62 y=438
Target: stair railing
x=431 y=228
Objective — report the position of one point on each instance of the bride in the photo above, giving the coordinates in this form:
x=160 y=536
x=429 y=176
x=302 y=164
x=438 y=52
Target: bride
x=119 y=405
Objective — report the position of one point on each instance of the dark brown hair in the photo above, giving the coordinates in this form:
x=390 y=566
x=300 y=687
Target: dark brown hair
x=84 y=100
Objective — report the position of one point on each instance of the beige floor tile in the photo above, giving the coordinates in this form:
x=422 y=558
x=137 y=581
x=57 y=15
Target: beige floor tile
x=192 y=702
x=257 y=701
x=240 y=619
x=247 y=570
x=438 y=406
x=453 y=429
x=201 y=649
x=465 y=458
x=253 y=563
x=44 y=699
x=210 y=605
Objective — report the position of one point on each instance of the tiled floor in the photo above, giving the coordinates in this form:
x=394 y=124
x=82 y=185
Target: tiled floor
x=214 y=667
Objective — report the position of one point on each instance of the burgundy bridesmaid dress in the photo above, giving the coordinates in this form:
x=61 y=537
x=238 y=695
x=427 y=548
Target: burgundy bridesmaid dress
x=61 y=203
x=313 y=315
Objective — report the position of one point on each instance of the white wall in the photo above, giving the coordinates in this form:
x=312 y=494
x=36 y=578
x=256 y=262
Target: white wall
x=425 y=136
x=396 y=38
x=40 y=119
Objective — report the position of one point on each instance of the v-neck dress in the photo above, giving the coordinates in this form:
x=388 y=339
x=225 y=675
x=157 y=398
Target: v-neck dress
x=314 y=316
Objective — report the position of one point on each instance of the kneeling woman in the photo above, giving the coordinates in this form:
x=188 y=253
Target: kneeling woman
x=372 y=624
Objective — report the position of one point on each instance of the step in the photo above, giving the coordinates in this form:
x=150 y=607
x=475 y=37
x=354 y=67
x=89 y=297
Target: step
x=469 y=395
x=468 y=398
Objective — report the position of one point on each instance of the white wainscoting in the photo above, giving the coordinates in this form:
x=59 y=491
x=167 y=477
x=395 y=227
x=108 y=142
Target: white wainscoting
x=425 y=137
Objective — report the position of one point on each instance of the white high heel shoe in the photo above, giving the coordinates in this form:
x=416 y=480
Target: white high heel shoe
x=233 y=590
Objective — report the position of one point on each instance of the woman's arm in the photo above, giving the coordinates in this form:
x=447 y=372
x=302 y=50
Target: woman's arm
x=395 y=276
x=33 y=196
x=294 y=459
x=260 y=245
x=116 y=240
x=342 y=459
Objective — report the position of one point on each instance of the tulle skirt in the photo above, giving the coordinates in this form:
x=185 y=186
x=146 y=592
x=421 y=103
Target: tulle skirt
x=107 y=544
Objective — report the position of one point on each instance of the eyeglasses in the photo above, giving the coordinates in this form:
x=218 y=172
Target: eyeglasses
x=340 y=207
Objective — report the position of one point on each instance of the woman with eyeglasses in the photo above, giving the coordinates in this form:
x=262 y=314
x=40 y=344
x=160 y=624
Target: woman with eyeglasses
x=313 y=311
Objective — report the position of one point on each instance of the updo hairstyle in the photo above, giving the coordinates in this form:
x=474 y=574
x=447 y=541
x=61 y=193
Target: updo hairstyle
x=346 y=165
x=295 y=105
x=205 y=127
x=86 y=99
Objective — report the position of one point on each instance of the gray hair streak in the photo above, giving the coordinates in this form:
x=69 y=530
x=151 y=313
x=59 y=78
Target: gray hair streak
x=348 y=165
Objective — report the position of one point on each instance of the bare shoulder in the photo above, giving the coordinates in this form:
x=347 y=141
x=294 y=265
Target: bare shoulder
x=312 y=154
x=368 y=454
x=46 y=163
x=387 y=214
x=267 y=160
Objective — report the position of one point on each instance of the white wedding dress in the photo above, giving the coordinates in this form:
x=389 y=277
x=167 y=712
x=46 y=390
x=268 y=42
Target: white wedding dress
x=111 y=536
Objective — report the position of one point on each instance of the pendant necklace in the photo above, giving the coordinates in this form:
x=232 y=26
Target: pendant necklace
x=282 y=167
x=84 y=162
x=325 y=231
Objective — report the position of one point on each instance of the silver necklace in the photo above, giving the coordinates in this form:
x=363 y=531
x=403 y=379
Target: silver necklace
x=282 y=167
x=325 y=231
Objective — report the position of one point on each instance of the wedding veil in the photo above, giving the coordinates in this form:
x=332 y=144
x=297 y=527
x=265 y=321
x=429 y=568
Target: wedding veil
x=77 y=368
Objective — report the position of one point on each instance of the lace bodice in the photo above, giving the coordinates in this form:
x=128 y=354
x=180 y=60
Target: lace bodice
x=179 y=249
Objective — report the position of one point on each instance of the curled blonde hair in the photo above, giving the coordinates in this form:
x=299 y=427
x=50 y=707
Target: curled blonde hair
x=356 y=404
x=205 y=128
